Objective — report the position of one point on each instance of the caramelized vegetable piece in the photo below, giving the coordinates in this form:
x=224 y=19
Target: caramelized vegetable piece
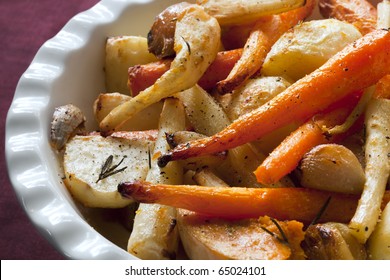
x=257 y=239
x=332 y=241
x=121 y=53
x=143 y=120
x=299 y=204
x=357 y=66
x=332 y=167
x=307 y=46
x=161 y=35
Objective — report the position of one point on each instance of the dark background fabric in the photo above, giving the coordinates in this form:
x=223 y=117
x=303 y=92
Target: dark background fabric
x=24 y=26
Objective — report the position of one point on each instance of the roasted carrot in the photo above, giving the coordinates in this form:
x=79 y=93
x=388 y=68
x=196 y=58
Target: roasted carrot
x=360 y=13
x=299 y=204
x=357 y=66
x=286 y=156
x=261 y=38
x=143 y=76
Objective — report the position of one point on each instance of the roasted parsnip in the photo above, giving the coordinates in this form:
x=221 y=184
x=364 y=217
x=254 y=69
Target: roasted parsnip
x=154 y=234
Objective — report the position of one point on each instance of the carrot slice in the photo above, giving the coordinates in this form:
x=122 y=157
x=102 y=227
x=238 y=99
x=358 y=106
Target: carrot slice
x=141 y=77
x=357 y=66
x=300 y=204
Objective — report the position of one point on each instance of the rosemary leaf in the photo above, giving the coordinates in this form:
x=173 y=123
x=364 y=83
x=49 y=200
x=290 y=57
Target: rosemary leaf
x=109 y=170
x=280 y=230
x=321 y=212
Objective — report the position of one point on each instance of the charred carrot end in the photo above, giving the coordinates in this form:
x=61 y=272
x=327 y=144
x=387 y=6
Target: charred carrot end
x=141 y=77
x=357 y=66
x=299 y=204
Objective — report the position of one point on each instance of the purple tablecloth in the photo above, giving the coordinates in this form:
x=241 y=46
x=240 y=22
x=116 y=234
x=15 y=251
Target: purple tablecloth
x=24 y=26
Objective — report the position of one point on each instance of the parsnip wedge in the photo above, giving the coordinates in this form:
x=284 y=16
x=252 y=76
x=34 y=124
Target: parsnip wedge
x=90 y=172
x=155 y=235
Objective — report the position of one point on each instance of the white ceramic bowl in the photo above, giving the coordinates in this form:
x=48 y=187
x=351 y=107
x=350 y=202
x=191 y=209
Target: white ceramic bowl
x=67 y=69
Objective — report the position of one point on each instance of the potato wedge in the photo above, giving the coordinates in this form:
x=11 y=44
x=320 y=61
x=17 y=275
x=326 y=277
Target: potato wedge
x=307 y=46
x=254 y=93
x=208 y=117
x=84 y=159
x=121 y=53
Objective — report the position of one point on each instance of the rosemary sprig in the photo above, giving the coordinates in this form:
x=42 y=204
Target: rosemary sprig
x=108 y=169
x=321 y=212
x=280 y=230
x=284 y=237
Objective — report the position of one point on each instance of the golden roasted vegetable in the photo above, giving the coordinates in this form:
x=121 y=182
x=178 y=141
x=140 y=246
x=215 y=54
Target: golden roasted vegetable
x=359 y=65
x=332 y=241
x=332 y=167
x=161 y=35
x=307 y=46
x=121 y=53
x=377 y=151
x=253 y=94
x=249 y=239
x=95 y=165
x=154 y=234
